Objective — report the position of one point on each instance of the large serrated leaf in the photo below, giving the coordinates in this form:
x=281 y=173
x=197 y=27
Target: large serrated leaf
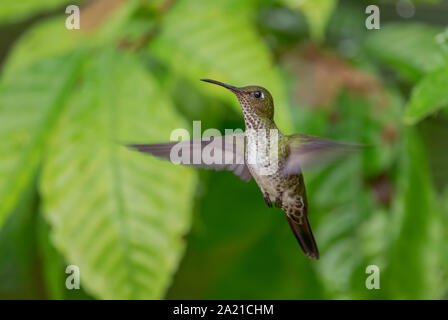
x=53 y=266
x=117 y=214
x=12 y=10
x=412 y=49
x=428 y=96
x=203 y=39
x=38 y=43
x=30 y=102
x=51 y=38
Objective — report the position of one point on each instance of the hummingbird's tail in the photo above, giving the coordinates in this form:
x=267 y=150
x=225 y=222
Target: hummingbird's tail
x=304 y=236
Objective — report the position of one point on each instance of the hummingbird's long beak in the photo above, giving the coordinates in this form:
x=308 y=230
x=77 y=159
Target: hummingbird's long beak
x=231 y=88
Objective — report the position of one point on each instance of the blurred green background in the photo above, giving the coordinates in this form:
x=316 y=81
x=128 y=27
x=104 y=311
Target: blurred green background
x=141 y=228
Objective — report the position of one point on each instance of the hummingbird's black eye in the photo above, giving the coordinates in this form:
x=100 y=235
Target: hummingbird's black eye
x=258 y=94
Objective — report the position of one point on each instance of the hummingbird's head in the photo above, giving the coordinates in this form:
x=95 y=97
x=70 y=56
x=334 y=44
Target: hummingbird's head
x=254 y=100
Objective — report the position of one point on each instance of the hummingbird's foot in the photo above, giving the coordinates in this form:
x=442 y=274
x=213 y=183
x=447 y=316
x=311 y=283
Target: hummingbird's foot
x=279 y=200
x=267 y=199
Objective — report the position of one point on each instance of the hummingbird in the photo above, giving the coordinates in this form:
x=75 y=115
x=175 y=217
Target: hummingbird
x=284 y=184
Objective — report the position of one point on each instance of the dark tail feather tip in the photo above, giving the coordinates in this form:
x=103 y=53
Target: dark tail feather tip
x=305 y=237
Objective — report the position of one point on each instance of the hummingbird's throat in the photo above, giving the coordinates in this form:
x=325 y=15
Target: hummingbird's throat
x=253 y=117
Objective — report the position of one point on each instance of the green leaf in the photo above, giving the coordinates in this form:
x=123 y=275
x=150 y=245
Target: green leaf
x=428 y=96
x=444 y=226
x=117 y=214
x=317 y=13
x=12 y=10
x=30 y=103
x=204 y=39
x=53 y=267
x=50 y=37
x=52 y=262
x=412 y=49
x=414 y=258
x=39 y=43
x=19 y=274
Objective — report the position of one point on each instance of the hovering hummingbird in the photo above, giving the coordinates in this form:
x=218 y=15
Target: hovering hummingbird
x=283 y=186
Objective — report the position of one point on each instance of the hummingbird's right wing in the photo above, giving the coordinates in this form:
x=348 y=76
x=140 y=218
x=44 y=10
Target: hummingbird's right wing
x=218 y=153
x=308 y=151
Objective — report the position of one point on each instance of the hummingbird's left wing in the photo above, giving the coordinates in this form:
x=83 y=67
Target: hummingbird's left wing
x=218 y=153
x=308 y=151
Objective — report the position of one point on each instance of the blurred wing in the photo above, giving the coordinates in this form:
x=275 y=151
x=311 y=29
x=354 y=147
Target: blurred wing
x=308 y=151
x=218 y=153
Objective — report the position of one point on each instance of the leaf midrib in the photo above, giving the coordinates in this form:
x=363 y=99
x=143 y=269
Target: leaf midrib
x=35 y=148
x=117 y=190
